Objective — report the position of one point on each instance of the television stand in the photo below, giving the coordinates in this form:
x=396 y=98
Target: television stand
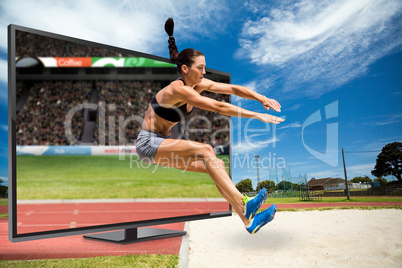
x=133 y=235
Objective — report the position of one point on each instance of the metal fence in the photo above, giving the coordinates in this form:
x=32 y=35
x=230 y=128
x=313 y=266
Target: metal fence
x=371 y=192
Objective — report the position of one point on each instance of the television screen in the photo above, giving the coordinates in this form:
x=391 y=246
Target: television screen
x=75 y=110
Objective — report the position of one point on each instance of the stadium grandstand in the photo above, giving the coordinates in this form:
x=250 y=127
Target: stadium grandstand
x=46 y=93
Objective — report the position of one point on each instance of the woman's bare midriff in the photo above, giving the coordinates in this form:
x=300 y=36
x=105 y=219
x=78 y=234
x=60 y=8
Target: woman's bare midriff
x=154 y=123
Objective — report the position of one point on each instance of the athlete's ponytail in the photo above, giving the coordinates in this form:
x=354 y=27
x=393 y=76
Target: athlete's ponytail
x=173 y=52
x=186 y=56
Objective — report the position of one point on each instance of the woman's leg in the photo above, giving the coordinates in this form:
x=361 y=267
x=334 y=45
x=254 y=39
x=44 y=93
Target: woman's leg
x=199 y=157
x=198 y=166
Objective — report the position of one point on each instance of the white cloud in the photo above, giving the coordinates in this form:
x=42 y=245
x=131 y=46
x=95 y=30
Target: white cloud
x=3 y=72
x=352 y=171
x=294 y=107
x=137 y=25
x=386 y=120
x=323 y=43
x=299 y=163
x=323 y=174
x=5 y=180
x=292 y=125
x=362 y=169
x=249 y=146
x=251 y=139
x=370 y=150
x=3 y=80
x=4 y=127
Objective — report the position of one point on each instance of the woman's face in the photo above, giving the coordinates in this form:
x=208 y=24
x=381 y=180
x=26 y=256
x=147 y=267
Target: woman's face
x=196 y=72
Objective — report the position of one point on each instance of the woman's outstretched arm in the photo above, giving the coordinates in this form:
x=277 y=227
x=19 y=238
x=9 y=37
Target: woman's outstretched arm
x=193 y=98
x=240 y=91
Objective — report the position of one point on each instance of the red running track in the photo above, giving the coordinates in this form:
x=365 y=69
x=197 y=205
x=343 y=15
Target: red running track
x=45 y=217
x=78 y=247
x=41 y=217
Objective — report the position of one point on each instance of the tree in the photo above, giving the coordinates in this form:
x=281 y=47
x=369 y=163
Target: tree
x=389 y=161
x=284 y=185
x=381 y=180
x=267 y=184
x=364 y=179
x=3 y=189
x=296 y=187
x=245 y=186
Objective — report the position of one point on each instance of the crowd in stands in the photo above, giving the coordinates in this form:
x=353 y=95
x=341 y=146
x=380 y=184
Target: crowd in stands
x=19 y=91
x=42 y=118
x=32 y=45
x=123 y=100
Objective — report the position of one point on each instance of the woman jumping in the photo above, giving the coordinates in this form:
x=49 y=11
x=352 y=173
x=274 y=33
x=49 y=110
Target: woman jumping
x=177 y=99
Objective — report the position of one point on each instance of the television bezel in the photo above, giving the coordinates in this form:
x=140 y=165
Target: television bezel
x=12 y=190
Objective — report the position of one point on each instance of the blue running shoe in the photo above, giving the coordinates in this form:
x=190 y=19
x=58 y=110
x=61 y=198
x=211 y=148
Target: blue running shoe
x=261 y=219
x=251 y=205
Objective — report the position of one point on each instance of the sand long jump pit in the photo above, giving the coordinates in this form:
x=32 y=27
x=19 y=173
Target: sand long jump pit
x=329 y=238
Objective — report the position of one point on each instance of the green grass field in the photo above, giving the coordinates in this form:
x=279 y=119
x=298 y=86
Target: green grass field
x=3 y=201
x=119 y=261
x=86 y=177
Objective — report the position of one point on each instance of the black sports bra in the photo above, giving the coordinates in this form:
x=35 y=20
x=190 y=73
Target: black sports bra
x=170 y=114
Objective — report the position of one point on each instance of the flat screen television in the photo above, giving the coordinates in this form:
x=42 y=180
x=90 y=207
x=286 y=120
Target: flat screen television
x=75 y=110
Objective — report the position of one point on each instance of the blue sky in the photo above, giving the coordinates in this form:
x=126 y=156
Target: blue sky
x=335 y=67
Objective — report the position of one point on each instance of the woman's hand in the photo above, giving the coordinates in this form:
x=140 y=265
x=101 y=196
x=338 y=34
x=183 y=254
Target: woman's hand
x=271 y=103
x=267 y=118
